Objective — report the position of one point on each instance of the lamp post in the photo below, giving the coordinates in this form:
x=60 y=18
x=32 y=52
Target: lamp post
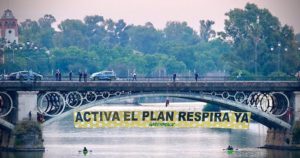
x=12 y=47
x=256 y=43
x=278 y=54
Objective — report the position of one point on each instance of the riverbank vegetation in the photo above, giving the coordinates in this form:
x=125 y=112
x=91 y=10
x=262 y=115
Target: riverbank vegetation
x=28 y=134
x=253 y=43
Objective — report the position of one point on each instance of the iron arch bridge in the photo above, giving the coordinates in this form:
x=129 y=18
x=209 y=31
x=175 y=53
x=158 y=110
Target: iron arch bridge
x=269 y=101
x=267 y=108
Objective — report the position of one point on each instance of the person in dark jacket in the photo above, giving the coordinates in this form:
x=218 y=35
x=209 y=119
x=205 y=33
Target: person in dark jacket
x=196 y=76
x=80 y=75
x=85 y=76
x=174 y=77
x=70 y=75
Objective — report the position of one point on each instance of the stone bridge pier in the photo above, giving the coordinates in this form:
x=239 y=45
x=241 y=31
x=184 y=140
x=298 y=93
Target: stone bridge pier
x=22 y=117
x=287 y=138
x=27 y=105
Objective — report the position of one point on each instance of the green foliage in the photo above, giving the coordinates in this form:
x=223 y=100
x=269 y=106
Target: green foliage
x=25 y=129
x=206 y=31
x=254 y=32
x=94 y=44
x=144 y=38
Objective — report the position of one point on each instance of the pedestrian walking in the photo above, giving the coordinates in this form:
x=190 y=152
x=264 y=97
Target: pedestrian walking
x=70 y=75
x=134 y=76
x=196 y=76
x=174 y=77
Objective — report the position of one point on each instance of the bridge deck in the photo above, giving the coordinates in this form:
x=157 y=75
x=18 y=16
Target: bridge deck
x=149 y=86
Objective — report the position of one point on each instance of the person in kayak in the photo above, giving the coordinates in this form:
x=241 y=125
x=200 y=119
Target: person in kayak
x=85 y=151
x=229 y=147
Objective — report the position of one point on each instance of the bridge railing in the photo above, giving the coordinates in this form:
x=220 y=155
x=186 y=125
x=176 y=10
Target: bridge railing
x=181 y=78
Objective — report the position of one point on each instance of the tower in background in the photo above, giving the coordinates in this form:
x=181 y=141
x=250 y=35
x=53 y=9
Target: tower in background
x=9 y=28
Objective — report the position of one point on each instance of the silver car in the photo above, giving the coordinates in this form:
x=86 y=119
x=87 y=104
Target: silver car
x=104 y=76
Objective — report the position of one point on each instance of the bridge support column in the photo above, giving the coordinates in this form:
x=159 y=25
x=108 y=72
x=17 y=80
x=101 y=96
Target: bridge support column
x=296 y=102
x=27 y=105
x=279 y=138
x=284 y=138
x=27 y=135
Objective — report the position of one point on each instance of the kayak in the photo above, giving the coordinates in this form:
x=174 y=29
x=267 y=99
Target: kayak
x=231 y=151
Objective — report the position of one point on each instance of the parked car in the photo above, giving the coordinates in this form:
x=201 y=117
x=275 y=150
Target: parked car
x=104 y=75
x=25 y=75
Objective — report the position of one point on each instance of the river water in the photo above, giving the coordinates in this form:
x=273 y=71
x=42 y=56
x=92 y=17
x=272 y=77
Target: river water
x=62 y=140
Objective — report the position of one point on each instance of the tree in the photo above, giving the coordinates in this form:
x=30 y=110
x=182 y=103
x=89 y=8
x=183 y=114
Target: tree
x=46 y=21
x=72 y=34
x=74 y=58
x=95 y=32
x=120 y=32
x=181 y=33
x=29 y=31
x=253 y=32
x=46 y=31
x=206 y=31
x=94 y=20
x=144 y=38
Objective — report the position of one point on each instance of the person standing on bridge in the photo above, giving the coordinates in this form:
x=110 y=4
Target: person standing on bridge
x=56 y=75
x=174 y=77
x=196 y=76
x=59 y=76
x=133 y=76
x=80 y=75
x=167 y=102
x=85 y=76
x=70 y=75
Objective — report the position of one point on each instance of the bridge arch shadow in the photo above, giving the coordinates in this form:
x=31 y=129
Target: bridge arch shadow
x=259 y=116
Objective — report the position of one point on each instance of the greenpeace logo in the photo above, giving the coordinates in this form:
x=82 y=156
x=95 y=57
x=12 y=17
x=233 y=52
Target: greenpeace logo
x=156 y=124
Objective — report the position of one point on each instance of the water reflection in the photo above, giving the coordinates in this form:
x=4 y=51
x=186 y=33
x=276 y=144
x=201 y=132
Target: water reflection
x=21 y=154
x=62 y=140
x=282 y=154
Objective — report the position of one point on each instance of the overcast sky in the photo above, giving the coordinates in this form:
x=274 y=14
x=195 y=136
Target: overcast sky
x=156 y=11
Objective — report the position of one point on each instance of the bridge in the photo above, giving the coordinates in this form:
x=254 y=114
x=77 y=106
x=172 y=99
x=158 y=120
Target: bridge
x=275 y=104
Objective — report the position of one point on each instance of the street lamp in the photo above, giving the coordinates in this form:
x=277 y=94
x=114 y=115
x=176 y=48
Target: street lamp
x=256 y=43
x=278 y=57
x=278 y=54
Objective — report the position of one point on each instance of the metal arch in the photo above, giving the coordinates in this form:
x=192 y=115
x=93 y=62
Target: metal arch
x=286 y=99
x=218 y=100
x=265 y=102
x=71 y=97
x=53 y=104
x=105 y=95
x=262 y=104
x=225 y=95
x=90 y=96
x=3 y=104
x=240 y=97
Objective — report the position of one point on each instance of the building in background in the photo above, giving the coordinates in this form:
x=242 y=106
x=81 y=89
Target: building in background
x=9 y=28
